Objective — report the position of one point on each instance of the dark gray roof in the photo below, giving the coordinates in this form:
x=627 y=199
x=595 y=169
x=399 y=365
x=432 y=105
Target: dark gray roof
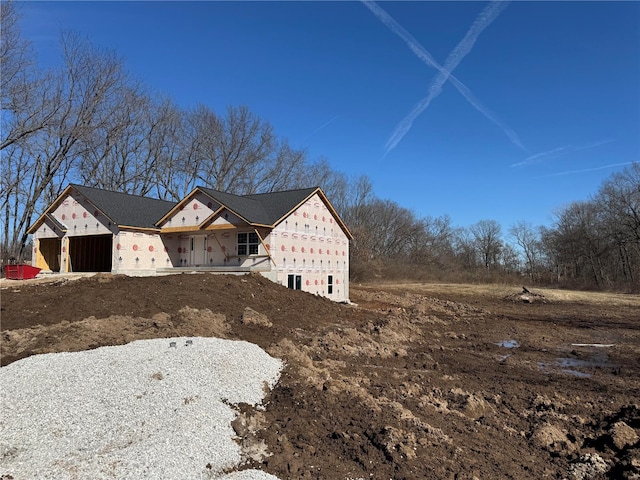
x=261 y=208
x=124 y=209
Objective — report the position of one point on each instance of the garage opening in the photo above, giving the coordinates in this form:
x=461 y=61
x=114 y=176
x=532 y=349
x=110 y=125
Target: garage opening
x=48 y=254
x=91 y=253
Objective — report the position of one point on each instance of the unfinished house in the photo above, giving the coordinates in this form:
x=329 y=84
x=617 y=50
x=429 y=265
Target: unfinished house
x=294 y=237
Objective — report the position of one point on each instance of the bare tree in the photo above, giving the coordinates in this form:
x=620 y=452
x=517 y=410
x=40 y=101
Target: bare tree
x=277 y=171
x=528 y=239
x=78 y=99
x=240 y=153
x=619 y=199
x=486 y=235
x=126 y=151
x=465 y=249
x=23 y=89
x=334 y=184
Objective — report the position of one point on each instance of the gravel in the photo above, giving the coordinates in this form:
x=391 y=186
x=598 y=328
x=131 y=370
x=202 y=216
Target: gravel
x=145 y=410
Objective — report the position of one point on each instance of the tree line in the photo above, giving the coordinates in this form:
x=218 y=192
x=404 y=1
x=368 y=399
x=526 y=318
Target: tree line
x=591 y=244
x=89 y=121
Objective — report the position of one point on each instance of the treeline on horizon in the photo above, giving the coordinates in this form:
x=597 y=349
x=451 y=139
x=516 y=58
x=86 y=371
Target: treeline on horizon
x=89 y=121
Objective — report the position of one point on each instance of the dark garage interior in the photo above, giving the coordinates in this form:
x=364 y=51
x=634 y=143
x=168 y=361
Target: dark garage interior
x=91 y=253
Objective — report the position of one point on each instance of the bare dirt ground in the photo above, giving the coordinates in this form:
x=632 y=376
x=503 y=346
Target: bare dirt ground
x=416 y=381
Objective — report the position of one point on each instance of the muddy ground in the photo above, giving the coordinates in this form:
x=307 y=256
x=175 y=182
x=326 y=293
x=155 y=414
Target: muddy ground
x=416 y=381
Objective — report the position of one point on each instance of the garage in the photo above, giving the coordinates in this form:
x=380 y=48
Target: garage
x=90 y=253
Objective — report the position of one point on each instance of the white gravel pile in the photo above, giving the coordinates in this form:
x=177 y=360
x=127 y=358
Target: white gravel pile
x=139 y=411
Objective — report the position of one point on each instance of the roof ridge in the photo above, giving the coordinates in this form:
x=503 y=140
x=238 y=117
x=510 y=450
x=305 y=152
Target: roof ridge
x=282 y=191
x=249 y=195
x=76 y=185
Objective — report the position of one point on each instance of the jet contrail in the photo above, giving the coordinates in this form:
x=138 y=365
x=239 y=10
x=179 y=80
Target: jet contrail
x=465 y=45
x=462 y=49
x=585 y=170
x=322 y=126
x=539 y=157
x=411 y=42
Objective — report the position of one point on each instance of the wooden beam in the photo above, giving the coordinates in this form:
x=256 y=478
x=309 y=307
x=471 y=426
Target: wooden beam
x=265 y=247
x=224 y=251
x=227 y=226
x=190 y=229
x=141 y=229
x=68 y=268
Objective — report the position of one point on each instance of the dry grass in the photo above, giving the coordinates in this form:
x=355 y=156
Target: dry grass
x=499 y=291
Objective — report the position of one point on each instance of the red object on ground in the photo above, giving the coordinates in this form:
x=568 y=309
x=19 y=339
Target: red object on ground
x=20 y=272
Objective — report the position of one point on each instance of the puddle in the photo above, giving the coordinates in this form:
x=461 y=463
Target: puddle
x=566 y=362
x=577 y=366
x=508 y=344
x=576 y=373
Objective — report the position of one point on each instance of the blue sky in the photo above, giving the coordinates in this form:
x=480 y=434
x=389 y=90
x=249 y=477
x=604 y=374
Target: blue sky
x=543 y=103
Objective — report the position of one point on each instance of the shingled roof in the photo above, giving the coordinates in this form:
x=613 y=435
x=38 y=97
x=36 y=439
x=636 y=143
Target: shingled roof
x=121 y=209
x=261 y=208
x=124 y=209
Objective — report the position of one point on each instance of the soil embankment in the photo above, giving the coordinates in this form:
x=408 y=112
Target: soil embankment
x=416 y=381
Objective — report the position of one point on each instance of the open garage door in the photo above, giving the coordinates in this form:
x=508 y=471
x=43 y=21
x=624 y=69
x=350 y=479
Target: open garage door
x=48 y=254
x=91 y=253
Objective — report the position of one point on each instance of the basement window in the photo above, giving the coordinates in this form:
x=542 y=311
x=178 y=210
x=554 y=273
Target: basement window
x=248 y=244
x=294 y=282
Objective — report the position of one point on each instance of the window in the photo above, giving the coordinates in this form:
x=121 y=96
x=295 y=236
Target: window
x=248 y=244
x=294 y=282
x=330 y=284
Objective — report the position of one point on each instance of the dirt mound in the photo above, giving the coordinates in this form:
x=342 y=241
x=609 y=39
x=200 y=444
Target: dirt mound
x=403 y=386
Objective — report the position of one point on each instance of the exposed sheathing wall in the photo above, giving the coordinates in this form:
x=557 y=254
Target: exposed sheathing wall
x=171 y=244
x=310 y=244
x=193 y=212
x=226 y=219
x=48 y=230
x=139 y=253
x=81 y=218
x=220 y=246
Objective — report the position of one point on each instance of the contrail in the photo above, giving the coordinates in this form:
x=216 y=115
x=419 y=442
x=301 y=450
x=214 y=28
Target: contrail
x=539 y=157
x=411 y=42
x=455 y=57
x=586 y=170
x=428 y=59
x=322 y=126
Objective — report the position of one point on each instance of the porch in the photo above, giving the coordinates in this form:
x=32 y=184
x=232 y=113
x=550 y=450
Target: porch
x=213 y=269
